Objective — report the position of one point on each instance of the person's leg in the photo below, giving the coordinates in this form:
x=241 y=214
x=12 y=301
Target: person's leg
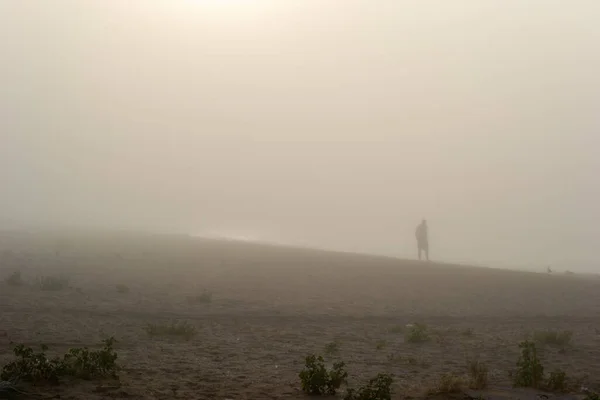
x=419 y=251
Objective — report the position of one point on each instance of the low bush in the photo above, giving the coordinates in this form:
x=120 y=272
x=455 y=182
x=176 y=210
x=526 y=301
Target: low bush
x=589 y=395
x=82 y=363
x=86 y=364
x=448 y=383
x=478 y=374
x=14 y=279
x=378 y=388
x=333 y=348
x=317 y=380
x=53 y=283
x=416 y=333
x=530 y=372
x=557 y=382
x=180 y=329
x=381 y=344
x=203 y=298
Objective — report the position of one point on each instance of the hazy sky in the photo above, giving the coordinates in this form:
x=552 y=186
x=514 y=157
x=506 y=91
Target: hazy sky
x=338 y=124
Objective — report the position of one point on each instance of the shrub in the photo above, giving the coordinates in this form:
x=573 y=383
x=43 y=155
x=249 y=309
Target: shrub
x=202 y=298
x=85 y=364
x=122 y=288
x=448 y=383
x=416 y=333
x=378 y=388
x=589 y=395
x=381 y=344
x=478 y=374
x=530 y=371
x=53 y=283
x=332 y=348
x=557 y=382
x=182 y=329
x=77 y=363
x=414 y=362
x=14 y=279
x=554 y=338
x=33 y=367
x=317 y=380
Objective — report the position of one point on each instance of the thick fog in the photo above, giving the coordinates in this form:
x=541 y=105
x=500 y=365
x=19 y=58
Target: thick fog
x=334 y=124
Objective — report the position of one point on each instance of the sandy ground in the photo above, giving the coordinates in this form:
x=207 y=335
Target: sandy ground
x=273 y=306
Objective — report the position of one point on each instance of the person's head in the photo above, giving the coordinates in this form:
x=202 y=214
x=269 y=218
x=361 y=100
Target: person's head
x=424 y=222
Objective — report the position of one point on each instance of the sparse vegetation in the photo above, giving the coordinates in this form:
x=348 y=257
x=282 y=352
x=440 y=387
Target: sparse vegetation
x=448 y=383
x=77 y=363
x=378 y=388
x=478 y=374
x=416 y=333
x=123 y=289
x=14 y=279
x=557 y=382
x=589 y=395
x=203 y=298
x=53 y=283
x=553 y=338
x=333 y=348
x=381 y=344
x=411 y=361
x=317 y=380
x=33 y=367
x=530 y=372
x=178 y=329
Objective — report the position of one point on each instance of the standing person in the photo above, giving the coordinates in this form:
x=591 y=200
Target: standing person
x=422 y=239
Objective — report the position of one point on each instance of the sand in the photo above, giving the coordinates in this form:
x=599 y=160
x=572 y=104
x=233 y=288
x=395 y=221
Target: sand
x=273 y=306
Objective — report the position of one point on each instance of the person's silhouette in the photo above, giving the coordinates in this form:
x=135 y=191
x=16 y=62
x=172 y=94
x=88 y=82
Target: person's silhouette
x=422 y=239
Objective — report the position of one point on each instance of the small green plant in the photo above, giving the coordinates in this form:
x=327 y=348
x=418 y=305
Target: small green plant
x=180 y=329
x=378 y=388
x=478 y=374
x=317 y=380
x=448 y=383
x=530 y=372
x=589 y=395
x=557 y=382
x=33 y=367
x=203 y=298
x=553 y=338
x=53 y=283
x=123 y=289
x=332 y=349
x=86 y=364
x=14 y=279
x=77 y=363
x=416 y=333
x=381 y=344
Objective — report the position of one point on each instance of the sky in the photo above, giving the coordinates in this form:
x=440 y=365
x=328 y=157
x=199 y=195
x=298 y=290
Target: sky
x=337 y=124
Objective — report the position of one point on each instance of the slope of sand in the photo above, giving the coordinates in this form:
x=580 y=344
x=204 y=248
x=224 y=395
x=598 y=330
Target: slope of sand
x=272 y=306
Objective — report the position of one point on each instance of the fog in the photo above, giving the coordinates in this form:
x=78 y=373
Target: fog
x=333 y=124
